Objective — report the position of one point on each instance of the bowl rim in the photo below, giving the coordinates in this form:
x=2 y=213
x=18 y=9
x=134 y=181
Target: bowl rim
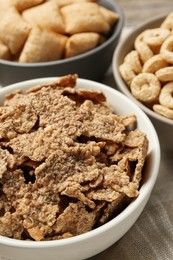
x=146 y=188
x=118 y=79
x=115 y=33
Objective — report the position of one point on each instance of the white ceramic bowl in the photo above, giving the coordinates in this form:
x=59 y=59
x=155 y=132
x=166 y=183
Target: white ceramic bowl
x=91 y=65
x=97 y=240
x=164 y=126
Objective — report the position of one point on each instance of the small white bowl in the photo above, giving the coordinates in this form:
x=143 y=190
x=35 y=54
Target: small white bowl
x=163 y=125
x=91 y=243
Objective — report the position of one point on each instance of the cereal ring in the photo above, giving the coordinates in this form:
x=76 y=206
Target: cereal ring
x=166 y=95
x=154 y=63
x=168 y=22
x=164 y=111
x=139 y=38
x=165 y=74
x=127 y=73
x=155 y=37
x=155 y=49
x=145 y=52
x=167 y=49
x=132 y=58
x=145 y=87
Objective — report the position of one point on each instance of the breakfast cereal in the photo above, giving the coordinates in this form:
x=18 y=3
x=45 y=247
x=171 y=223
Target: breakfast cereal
x=46 y=30
x=13 y=34
x=53 y=22
x=164 y=111
x=168 y=22
x=4 y=51
x=132 y=58
x=127 y=72
x=166 y=49
x=84 y=17
x=81 y=42
x=154 y=64
x=68 y=162
x=144 y=51
x=155 y=37
x=145 y=87
x=36 y=50
x=165 y=74
x=152 y=85
x=165 y=97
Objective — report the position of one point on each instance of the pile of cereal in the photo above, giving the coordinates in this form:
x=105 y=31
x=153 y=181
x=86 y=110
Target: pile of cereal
x=46 y=30
x=148 y=69
x=68 y=164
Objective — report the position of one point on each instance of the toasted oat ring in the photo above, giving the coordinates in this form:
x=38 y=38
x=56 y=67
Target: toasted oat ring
x=145 y=87
x=168 y=22
x=165 y=74
x=167 y=49
x=166 y=95
x=144 y=51
x=154 y=63
x=164 y=111
x=132 y=58
x=127 y=73
x=155 y=37
x=151 y=49
x=155 y=49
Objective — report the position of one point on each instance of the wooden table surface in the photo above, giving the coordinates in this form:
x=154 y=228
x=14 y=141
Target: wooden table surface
x=139 y=10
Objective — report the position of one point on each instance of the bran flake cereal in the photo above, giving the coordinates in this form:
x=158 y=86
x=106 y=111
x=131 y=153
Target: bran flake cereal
x=68 y=163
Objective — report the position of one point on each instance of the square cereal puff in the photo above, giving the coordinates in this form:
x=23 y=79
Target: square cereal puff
x=4 y=52
x=67 y=2
x=24 y=4
x=18 y=4
x=80 y=43
x=84 y=17
x=4 y=4
x=38 y=15
x=110 y=16
x=43 y=45
x=13 y=30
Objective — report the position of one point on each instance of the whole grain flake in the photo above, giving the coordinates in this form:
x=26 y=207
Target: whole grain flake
x=66 y=158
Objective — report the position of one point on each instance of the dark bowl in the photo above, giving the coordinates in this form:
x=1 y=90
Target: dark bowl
x=90 y=65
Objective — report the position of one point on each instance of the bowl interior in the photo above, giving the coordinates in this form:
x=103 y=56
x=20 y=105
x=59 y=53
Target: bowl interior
x=122 y=105
x=91 y=65
x=109 y=4
x=123 y=48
